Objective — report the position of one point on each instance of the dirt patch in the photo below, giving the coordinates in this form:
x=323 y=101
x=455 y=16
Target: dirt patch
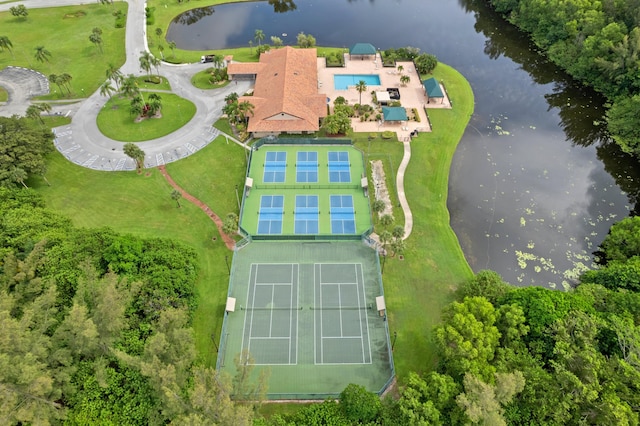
x=380 y=187
x=78 y=14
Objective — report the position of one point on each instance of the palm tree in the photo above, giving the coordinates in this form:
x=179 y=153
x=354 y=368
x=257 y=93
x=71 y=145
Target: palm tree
x=172 y=46
x=175 y=196
x=145 y=63
x=96 y=39
x=161 y=50
x=65 y=80
x=400 y=69
x=53 y=78
x=42 y=54
x=133 y=151
x=405 y=79
x=5 y=43
x=155 y=104
x=244 y=109
x=136 y=107
x=156 y=63
x=113 y=73
x=258 y=36
x=231 y=110
x=33 y=112
x=231 y=97
x=361 y=87
x=107 y=89
x=129 y=87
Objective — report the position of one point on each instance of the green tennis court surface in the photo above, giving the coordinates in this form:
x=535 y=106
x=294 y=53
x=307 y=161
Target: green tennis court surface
x=307 y=312
x=305 y=191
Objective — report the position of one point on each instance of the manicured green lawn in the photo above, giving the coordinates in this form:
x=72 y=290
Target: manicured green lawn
x=64 y=31
x=4 y=95
x=201 y=81
x=116 y=122
x=143 y=84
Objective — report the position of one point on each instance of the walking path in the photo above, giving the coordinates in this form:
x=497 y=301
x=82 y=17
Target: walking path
x=228 y=241
x=82 y=142
x=408 y=216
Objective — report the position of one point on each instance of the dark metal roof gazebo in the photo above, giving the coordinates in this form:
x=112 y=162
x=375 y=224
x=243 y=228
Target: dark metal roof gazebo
x=394 y=114
x=432 y=89
x=362 y=49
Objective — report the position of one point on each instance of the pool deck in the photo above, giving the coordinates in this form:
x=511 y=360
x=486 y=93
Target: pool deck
x=411 y=96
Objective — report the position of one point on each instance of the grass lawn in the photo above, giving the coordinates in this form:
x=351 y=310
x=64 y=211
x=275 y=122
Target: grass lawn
x=115 y=121
x=64 y=31
x=144 y=84
x=201 y=81
x=4 y=95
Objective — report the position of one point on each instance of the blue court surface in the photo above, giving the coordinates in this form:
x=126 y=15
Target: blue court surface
x=270 y=215
x=339 y=167
x=275 y=167
x=307 y=167
x=306 y=214
x=343 y=220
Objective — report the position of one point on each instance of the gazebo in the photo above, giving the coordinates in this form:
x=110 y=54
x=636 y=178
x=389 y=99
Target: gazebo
x=394 y=114
x=432 y=89
x=362 y=49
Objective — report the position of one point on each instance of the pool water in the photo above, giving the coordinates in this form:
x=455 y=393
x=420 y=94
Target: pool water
x=343 y=81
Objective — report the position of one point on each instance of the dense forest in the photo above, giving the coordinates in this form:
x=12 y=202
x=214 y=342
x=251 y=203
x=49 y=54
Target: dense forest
x=598 y=43
x=96 y=327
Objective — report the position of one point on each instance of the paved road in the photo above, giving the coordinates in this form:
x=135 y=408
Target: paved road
x=82 y=142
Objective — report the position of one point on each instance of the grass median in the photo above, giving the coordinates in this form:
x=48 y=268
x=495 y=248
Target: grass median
x=116 y=122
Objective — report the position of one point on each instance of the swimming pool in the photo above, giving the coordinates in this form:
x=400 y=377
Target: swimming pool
x=343 y=81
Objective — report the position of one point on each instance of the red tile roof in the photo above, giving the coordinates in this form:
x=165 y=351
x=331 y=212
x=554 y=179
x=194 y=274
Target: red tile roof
x=285 y=97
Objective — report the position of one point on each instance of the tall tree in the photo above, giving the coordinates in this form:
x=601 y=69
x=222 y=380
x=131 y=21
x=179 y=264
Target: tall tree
x=175 y=196
x=106 y=89
x=483 y=403
x=361 y=87
x=23 y=146
x=5 y=44
x=468 y=337
x=113 y=73
x=96 y=39
x=42 y=54
x=258 y=36
x=129 y=87
x=172 y=46
x=19 y=11
x=145 y=62
x=136 y=153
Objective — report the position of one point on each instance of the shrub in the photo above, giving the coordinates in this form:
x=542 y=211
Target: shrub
x=416 y=115
x=387 y=134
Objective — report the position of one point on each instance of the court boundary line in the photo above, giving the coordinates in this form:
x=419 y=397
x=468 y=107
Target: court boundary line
x=254 y=267
x=359 y=272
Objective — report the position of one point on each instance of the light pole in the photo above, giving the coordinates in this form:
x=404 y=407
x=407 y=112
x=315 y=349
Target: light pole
x=395 y=337
x=226 y=261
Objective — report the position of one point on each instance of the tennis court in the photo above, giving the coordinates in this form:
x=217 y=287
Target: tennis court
x=270 y=214
x=307 y=312
x=306 y=214
x=343 y=215
x=275 y=164
x=307 y=167
x=339 y=166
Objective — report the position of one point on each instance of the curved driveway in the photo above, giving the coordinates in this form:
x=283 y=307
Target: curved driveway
x=82 y=143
